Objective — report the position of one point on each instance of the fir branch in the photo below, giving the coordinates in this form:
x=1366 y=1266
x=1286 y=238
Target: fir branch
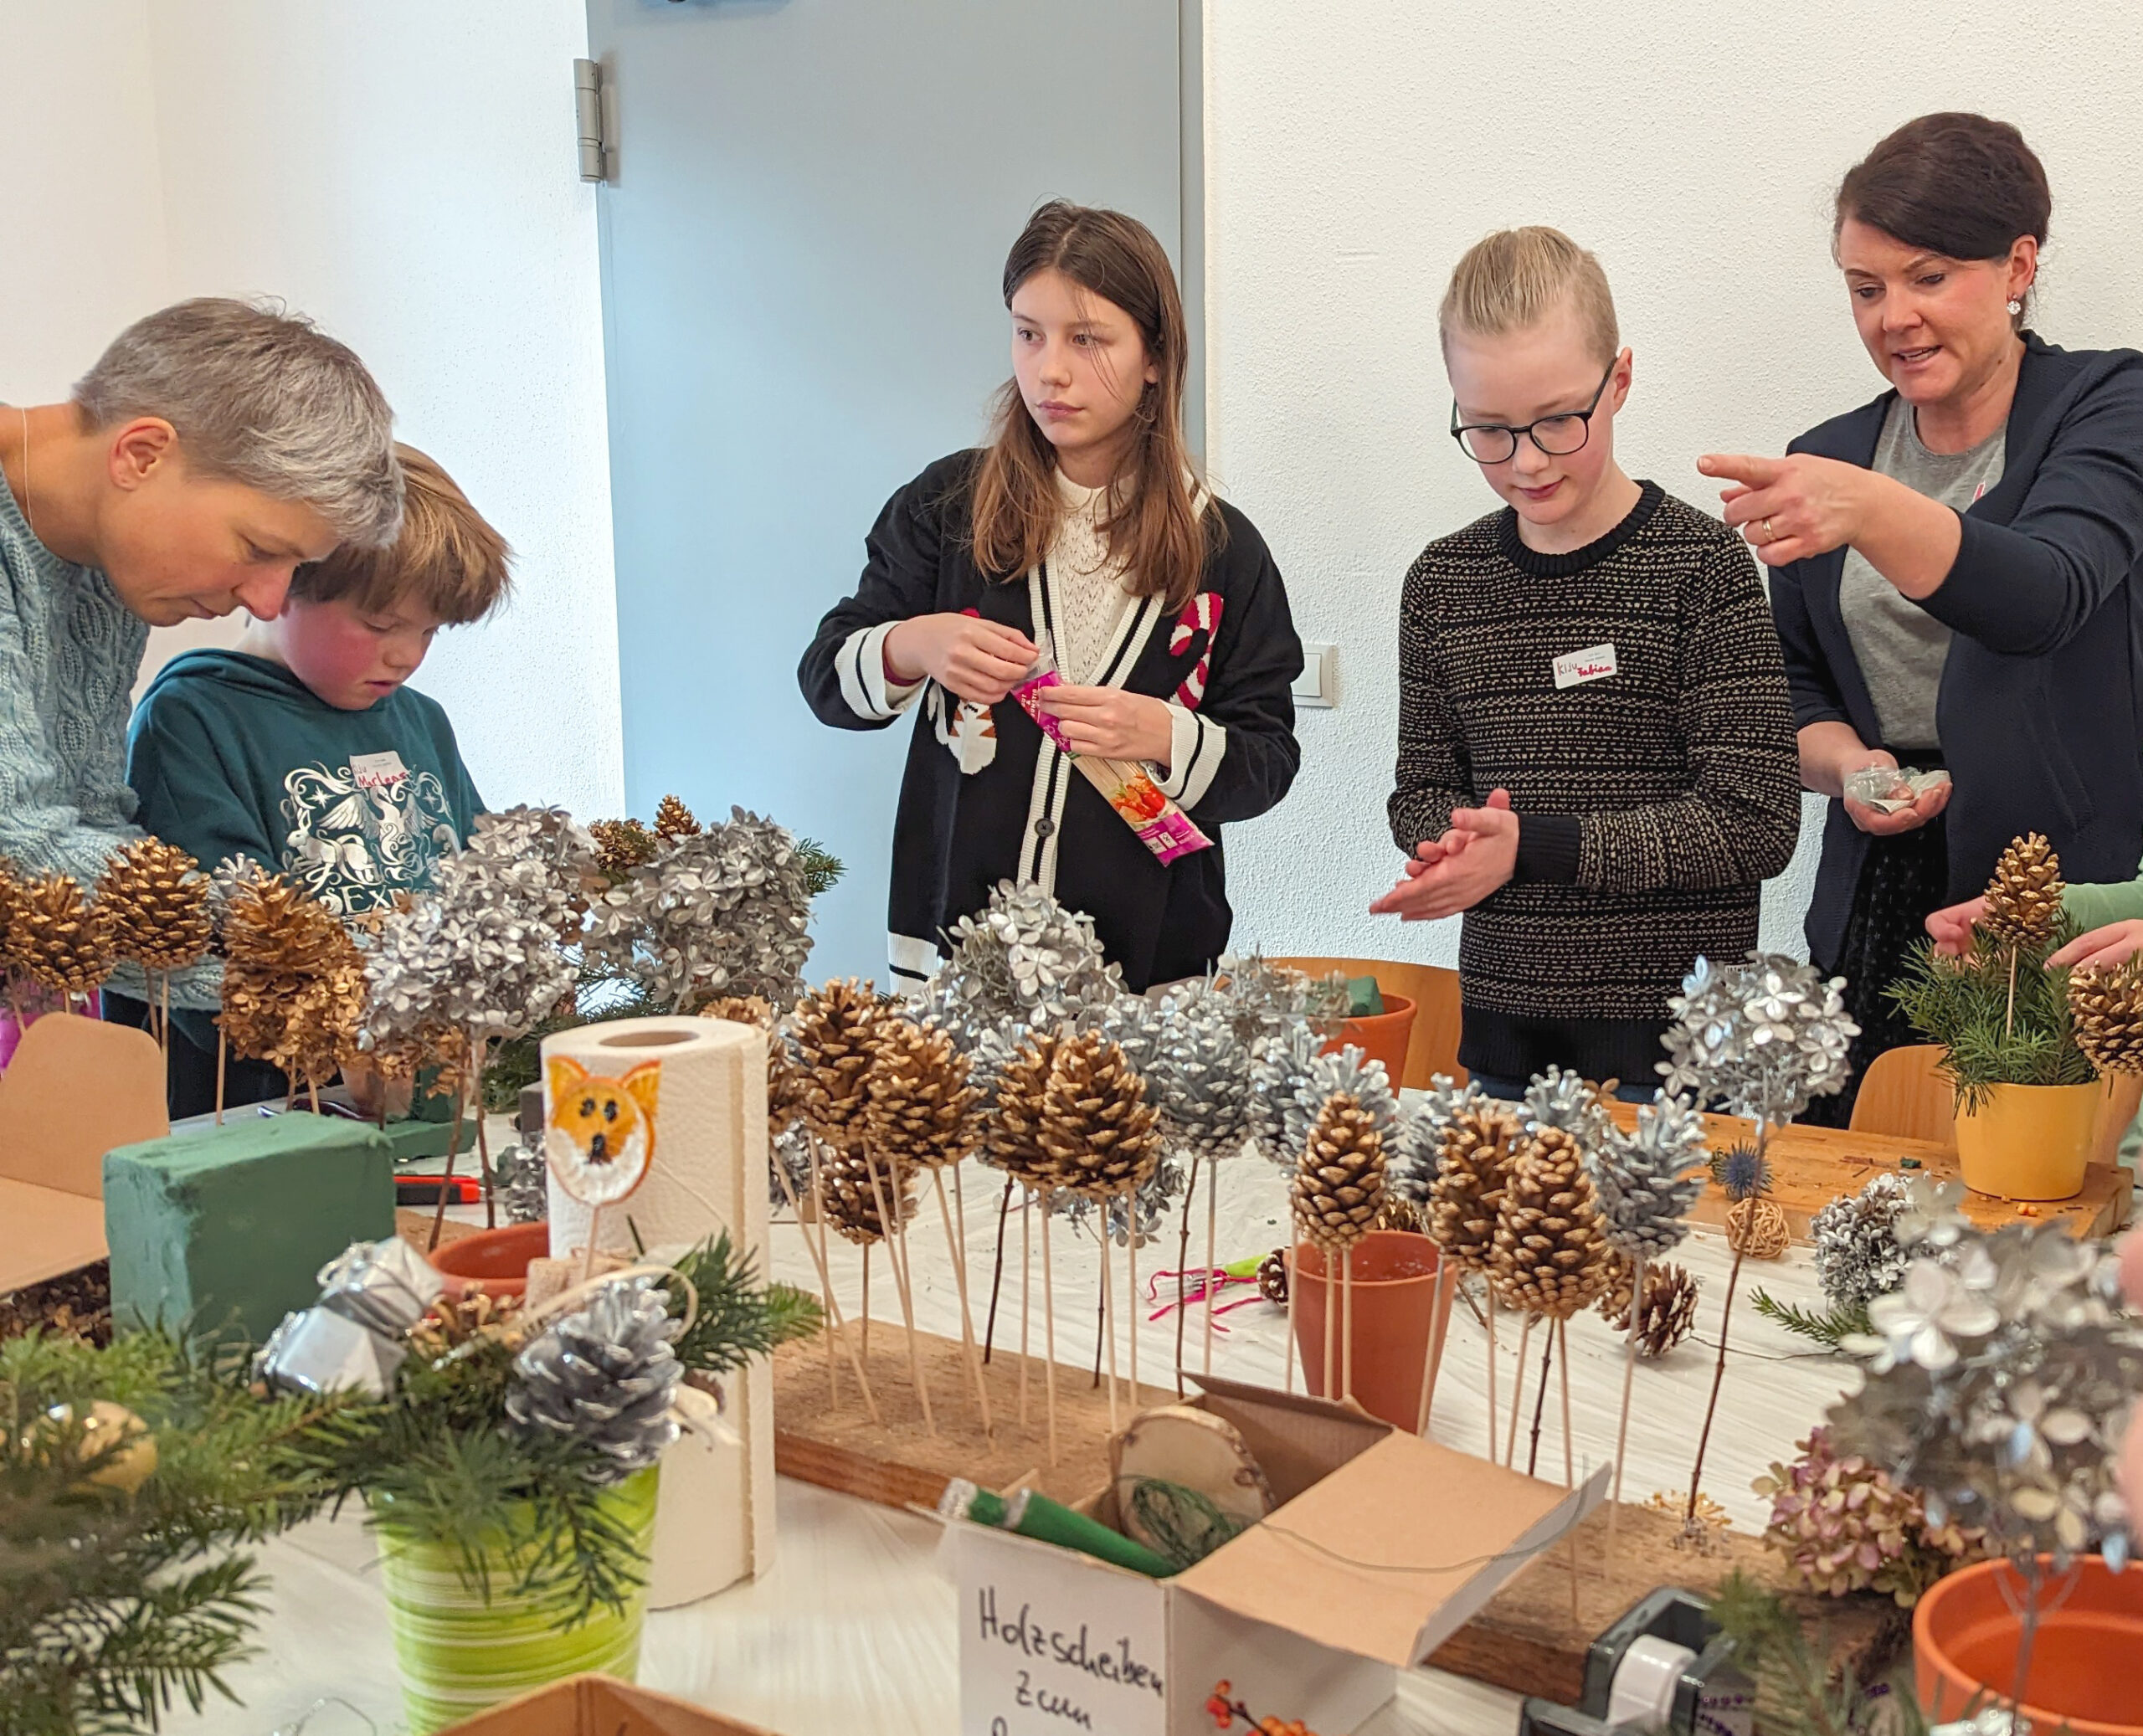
x=736 y=1320
x=1838 y=1321
x=822 y=869
x=1798 y=1693
x=1964 y=1005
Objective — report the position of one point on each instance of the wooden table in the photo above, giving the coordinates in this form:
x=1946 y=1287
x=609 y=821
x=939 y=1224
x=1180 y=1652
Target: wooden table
x=1812 y=1166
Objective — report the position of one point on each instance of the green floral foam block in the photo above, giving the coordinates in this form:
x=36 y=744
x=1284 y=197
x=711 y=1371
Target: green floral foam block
x=229 y=1226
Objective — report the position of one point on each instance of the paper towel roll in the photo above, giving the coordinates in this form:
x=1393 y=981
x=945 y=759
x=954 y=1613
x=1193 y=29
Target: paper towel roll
x=708 y=1173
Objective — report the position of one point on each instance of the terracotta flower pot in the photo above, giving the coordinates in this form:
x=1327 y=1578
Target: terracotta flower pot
x=1383 y=1036
x=494 y=1261
x=2029 y=1141
x=2083 y=1678
x=1395 y=1283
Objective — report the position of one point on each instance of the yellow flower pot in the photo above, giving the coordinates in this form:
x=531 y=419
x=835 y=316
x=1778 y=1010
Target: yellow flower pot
x=2029 y=1141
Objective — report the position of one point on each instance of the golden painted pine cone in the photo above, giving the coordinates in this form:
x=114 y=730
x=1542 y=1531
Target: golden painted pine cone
x=853 y=1205
x=2023 y=899
x=920 y=1108
x=59 y=938
x=838 y=1031
x=1669 y=1313
x=1097 y=1134
x=11 y=898
x=1338 y=1186
x=1757 y=1229
x=158 y=899
x=1468 y=1189
x=673 y=819
x=2107 y=1006
x=1012 y=1135
x=1550 y=1256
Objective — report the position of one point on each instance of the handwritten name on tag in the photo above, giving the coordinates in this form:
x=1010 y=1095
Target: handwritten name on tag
x=378 y=771
x=1595 y=663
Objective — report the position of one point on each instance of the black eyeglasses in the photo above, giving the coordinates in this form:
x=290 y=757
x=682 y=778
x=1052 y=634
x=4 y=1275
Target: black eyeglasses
x=1493 y=443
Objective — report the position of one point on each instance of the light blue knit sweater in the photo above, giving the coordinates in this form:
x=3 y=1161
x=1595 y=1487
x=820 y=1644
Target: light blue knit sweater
x=70 y=650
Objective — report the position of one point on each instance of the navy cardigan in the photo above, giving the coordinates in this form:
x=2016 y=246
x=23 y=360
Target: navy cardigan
x=2038 y=701
x=958 y=833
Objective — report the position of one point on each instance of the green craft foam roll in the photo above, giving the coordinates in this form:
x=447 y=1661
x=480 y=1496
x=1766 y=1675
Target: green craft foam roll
x=230 y=1225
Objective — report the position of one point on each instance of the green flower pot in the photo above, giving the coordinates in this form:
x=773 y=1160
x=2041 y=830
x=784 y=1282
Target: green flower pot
x=460 y=1654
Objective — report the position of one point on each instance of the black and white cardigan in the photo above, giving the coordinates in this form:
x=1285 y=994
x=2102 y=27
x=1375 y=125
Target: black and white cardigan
x=987 y=796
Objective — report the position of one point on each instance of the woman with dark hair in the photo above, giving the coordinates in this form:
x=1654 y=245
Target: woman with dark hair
x=1954 y=562
x=1080 y=546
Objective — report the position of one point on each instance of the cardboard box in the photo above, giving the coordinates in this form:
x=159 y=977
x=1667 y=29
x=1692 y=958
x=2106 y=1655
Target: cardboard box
x=1382 y=1545
x=598 y=1705
x=74 y=1088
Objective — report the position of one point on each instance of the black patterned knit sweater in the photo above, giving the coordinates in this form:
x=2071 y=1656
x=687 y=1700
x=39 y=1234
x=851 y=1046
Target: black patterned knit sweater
x=1653 y=802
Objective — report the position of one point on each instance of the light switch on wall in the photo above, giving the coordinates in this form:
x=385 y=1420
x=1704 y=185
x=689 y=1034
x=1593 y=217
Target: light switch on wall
x=1318 y=684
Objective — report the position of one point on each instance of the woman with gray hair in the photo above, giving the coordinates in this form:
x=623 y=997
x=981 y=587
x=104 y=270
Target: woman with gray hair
x=214 y=446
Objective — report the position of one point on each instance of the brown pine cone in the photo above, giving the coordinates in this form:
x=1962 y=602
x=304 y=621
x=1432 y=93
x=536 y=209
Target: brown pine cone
x=455 y=1321
x=1012 y=1135
x=2107 y=1006
x=1272 y=1277
x=673 y=819
x=1669 y=1312
x=1339 y=1185
x=1468 y=1189
x=852 y=1203
x=621 y=846
x=920 y=1108
x=838 y=1031
x=1097 y=1134
x=157 y=900
x=59 y=938
x=1550 y=1256
x=2023 y=899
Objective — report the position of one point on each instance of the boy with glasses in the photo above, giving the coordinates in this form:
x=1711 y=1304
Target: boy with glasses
x=1596 y=760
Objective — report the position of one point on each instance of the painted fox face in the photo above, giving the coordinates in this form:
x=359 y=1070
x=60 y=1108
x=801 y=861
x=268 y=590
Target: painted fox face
x=599 y=1133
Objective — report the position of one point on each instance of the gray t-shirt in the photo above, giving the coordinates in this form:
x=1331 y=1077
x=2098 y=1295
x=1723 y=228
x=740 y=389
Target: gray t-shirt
x=1901 y=646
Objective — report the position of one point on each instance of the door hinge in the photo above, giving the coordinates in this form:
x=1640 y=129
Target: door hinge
x=587 y=94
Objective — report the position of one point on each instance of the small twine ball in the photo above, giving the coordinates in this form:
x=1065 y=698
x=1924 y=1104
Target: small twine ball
x=1757 y=1229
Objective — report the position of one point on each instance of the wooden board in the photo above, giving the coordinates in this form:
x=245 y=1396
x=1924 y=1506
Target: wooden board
x=1528 y=1641
x=898 y=1463
x=1812 y=1166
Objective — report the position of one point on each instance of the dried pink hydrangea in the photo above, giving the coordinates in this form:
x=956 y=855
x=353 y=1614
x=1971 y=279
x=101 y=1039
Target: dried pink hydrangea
x=1844 y=1526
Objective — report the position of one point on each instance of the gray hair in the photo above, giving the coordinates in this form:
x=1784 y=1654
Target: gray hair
x=264 y=397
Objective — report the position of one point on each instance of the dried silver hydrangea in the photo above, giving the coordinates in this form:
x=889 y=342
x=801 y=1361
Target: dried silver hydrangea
x=1025 y=959
x=1759 y=1039
x=1648 y=1179
x=1263 y=999
x=1858 y=1257
x=724 y=912
x=1998 y=1380
x=1149 y=1207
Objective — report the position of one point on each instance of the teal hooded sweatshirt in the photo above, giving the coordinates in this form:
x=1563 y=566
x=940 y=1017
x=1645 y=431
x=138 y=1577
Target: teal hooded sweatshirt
x=231 y=755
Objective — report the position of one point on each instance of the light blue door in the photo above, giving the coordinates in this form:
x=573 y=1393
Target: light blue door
x=811 y=206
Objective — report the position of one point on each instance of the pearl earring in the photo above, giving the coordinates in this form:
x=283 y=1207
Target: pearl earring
x=2015 y=307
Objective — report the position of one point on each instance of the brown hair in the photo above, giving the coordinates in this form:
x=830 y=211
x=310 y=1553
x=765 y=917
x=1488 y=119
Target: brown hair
x=1152 y=528
x=1955 y=184
x=446 y=557
x=1517 y=278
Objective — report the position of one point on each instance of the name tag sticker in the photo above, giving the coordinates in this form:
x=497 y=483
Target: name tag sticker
x=1595 y=663
x=378 y=771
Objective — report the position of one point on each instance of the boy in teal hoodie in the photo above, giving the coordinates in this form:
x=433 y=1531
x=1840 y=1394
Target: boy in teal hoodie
x=304 y=750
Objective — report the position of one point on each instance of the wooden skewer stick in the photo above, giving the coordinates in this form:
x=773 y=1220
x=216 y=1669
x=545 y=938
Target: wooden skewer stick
x=895 y=1253
x=1518 y=1397
x=1432 y=1361
x=1629 y=1377
x=1108 y=1313
x=1027 y=1293
x=1491 y=1373
x=588 y=1254
x=1327 y=1387
x=1212 y=1236
x=1048 y=1326
x=1287 y=1263
x=223 y=1050
x=967 y=1319
x=1183 y=1271
x=1569 y=1468
x=1347 y=1315
x=452 y=1152
x=836 y=1329
x=1137 y=1308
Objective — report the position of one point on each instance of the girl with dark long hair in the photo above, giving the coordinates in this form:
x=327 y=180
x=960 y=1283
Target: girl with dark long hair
x=1079 y=547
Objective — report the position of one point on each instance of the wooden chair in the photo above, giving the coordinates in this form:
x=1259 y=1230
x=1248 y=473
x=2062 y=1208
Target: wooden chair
x=1433 y=1048
x=1901 y=1094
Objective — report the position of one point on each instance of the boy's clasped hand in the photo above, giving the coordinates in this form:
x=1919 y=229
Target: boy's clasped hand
x=1447 y=875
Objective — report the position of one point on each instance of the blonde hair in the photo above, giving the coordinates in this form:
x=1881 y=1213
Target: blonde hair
x=1516 y=278
x=447 y=558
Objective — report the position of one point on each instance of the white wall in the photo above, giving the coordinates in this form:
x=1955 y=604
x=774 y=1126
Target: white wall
x=1353 y=151
x=404 y=173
